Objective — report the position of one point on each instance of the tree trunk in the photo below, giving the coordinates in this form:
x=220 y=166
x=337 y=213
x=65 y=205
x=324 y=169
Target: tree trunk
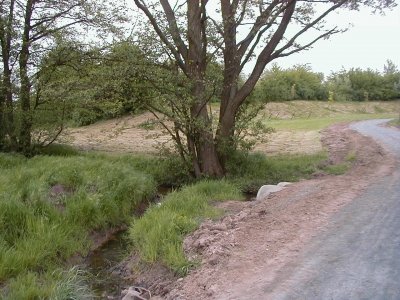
x=9 y=106
x=2 y=124
x=6 y=101
x=206 y=151
x=25 y=89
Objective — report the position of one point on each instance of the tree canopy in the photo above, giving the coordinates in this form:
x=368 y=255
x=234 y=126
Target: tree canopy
x=192 y=33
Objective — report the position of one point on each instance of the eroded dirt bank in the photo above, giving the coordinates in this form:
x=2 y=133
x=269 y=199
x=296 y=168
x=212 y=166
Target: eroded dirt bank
x=256 y=239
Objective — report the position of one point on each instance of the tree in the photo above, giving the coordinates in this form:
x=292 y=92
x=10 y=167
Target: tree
x=277 y=84
x=192 y=33
x=85 y=84
x=28 y=30
x=364 y=85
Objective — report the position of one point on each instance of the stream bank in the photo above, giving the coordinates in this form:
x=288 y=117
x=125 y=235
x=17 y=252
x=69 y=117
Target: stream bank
x=110 y=265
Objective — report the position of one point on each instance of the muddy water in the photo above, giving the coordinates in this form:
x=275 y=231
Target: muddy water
x=100 y=265
x=104 y=279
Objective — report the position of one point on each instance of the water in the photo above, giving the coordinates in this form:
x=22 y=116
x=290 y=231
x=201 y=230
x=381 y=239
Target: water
x=102 y=263
x=105 y=279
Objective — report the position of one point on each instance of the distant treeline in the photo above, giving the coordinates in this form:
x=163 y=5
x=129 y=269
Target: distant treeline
x=301 y=83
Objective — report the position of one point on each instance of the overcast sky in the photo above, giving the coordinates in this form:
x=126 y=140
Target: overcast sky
x=370 y=41
x=368 y=44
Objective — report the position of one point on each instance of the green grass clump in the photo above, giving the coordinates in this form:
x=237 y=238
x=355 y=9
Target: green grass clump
x=166 y=170
x=58 y=150
x=395 y=122
x=57 y=285
x=338 y=169
x=159 y=234
x=318 y=123
x=250 y=171
x=48 y=207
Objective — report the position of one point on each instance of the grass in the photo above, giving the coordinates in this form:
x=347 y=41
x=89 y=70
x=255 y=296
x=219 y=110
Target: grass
x=48 y=207
x=338 y=169
x=394 y=122
x=251 y=171
x=318 y=123
x=159 y=234
x=50 y=204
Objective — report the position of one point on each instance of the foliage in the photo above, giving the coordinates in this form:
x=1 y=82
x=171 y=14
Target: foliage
x=365 y=85
x=159 y=234
x=190 y=36
x=94 y=83
x=29 y=31
x=250 y=171
x=296 y=83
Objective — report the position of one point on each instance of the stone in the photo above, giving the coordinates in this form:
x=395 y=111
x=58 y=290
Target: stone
x=266 y=190
x=133 y=293
x=283 y=184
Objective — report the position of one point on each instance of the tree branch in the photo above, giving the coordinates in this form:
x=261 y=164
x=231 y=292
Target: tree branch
x=161 y=34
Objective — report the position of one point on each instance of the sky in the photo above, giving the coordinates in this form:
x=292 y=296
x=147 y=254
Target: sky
x=370 y=41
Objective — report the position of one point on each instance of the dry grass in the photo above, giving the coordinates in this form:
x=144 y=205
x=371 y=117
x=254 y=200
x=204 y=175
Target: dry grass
x=297 y=123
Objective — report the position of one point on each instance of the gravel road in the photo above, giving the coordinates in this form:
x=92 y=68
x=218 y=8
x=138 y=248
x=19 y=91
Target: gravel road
x=358 y=255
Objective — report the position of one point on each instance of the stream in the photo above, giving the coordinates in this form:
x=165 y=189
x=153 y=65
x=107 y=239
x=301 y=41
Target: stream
x=104 y=283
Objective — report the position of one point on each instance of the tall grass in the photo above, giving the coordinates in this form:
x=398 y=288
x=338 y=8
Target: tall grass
x=48 y=207
x=55 y=285
x=159 y=234
x=250 y=171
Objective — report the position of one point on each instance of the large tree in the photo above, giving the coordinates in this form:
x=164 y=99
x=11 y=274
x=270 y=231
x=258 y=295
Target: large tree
x=235 y=33
x=28 y=31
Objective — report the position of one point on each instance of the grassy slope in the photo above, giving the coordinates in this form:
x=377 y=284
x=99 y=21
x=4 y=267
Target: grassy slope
x=318 y=123
x=41 y=228
x=316 y=115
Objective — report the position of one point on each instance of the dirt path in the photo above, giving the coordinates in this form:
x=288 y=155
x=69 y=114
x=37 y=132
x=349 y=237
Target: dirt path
x=317 y=239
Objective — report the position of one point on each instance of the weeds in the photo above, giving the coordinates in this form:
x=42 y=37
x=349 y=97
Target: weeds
x=48 y=206
x=338 y=169
x=250 y=171
x=159 y=234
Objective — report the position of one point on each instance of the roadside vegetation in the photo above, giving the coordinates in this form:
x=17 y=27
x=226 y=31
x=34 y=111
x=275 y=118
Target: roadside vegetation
x=318 y=123
x=49 y=206
x=159 y=234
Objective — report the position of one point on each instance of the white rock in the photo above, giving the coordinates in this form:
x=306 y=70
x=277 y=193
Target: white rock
x=283 y=184
x=265 y=190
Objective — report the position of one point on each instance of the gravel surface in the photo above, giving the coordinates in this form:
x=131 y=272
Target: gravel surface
x=358 y=256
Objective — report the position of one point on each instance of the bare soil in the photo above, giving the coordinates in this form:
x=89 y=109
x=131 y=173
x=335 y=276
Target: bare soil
x=256 y=236
x=129 y=134
x=141 y=134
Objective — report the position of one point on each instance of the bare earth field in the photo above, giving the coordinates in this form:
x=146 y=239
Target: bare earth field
x=297 y=126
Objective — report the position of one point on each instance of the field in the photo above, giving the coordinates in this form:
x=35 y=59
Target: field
x=297 y=125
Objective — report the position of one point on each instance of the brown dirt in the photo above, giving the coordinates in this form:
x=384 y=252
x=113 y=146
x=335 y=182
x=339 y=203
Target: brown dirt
x=122 y=135
x=265 y=235
x=129 y=134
